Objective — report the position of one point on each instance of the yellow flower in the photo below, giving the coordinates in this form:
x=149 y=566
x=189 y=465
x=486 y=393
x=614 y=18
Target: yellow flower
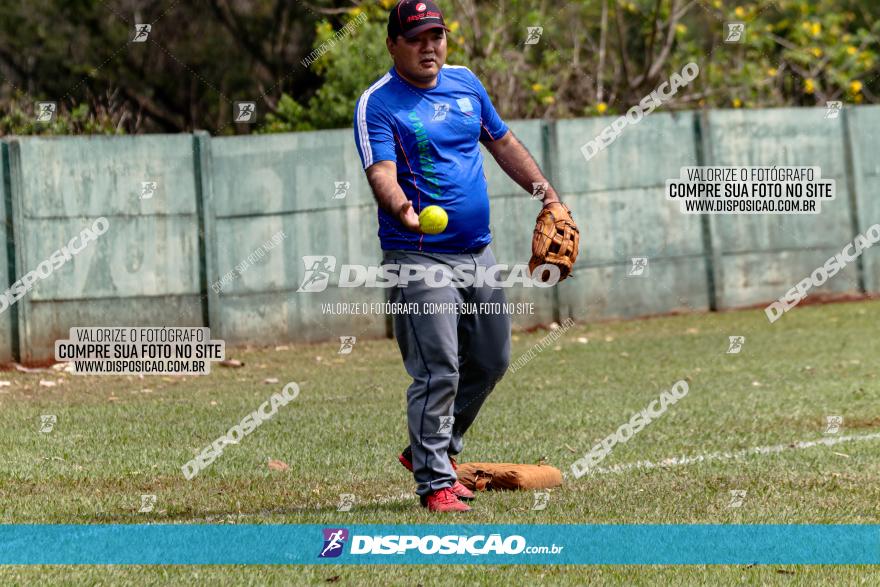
x=857 y=99
x=537 y=88
x=772 y=71
x=809 y=85
x=453 y=26
x=852 y=50
x=737 y=102
x=816 y=29
x=459 y=40
x=846 y=38
x=388 y=4
x=816 y=51
x=716 y=3
x=740 y=12
x=680 y=28
x=548 y=100
x=601 y=107
x=855 y=86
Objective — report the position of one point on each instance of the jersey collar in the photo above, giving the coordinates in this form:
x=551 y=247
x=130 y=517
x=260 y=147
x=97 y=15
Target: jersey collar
x=393 y=72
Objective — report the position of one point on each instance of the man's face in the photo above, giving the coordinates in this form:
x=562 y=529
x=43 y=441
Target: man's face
x=421 y=57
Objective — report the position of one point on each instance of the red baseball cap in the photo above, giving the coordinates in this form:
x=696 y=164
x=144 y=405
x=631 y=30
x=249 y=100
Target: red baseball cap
x=411 y=17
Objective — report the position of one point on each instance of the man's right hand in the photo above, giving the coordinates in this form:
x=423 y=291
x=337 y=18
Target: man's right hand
x=382 y=176
x=408 y=217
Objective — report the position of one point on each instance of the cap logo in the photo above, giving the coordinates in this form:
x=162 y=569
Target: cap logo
x=420 y=7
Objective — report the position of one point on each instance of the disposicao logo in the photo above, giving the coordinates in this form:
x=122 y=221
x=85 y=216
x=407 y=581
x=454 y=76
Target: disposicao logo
x=334 y=542
x=409 y=544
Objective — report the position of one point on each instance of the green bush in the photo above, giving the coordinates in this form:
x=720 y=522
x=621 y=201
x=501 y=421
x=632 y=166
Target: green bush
x=19 y=118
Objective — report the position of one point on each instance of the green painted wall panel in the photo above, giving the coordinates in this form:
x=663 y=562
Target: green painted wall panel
x=265 y=174
x=137 y=256
x=513 y=220
x=864 y=124
x=668 y=285
x=644 y=155
x=49 y=321
x=499 y=184
x=95 y=176
x=759 y=278
x=149 y=253
x=617 y=198
x=288 y=182
x=619 y=225
x=6 y=317
x=782 y=137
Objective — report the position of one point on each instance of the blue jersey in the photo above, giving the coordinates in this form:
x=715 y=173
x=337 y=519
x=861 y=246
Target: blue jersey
x=433 y=136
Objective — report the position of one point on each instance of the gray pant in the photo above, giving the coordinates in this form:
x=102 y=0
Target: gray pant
x=455 y=360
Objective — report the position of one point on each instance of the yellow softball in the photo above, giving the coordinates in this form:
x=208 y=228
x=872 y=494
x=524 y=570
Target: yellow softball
x=433 y=220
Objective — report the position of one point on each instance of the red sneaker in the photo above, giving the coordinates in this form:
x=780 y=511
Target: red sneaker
x=444 y=500
x=458 y=489
x=462 y=492
x=405 y=459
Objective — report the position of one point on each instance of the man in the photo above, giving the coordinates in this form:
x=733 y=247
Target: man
x=417 y=131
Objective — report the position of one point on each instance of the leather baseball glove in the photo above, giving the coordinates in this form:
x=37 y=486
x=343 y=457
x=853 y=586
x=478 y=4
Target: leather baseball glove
x=555 y=240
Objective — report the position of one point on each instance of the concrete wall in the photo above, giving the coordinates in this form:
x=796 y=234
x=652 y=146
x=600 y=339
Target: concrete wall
x=513 y=215
x=143 y=271
x=191 y=253
x=617 y=196
x=266 y=184
x=8 y=326
x=863 y=145
x=758 y=256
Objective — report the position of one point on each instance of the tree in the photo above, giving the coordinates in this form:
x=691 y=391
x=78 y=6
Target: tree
x=536 y=58
x=198 y=59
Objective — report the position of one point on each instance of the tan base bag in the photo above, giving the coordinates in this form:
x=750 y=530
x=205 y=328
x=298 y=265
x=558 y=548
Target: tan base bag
x=498 y=476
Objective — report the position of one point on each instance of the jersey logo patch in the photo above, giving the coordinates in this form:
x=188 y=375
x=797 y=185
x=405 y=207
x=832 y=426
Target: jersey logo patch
x=465 y=104
x=440 y=110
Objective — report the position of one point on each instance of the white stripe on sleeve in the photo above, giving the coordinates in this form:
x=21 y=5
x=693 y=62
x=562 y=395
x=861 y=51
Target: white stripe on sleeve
x=363 y=131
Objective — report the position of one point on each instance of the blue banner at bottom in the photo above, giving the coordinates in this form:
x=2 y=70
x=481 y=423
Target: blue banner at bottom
x=170 y=544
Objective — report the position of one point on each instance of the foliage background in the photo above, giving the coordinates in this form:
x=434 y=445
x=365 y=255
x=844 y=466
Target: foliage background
x=593 y=57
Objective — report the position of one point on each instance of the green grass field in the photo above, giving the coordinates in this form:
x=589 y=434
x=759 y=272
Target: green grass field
x=117 y=438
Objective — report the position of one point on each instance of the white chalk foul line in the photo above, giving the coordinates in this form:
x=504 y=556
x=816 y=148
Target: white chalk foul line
x=723 y=456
